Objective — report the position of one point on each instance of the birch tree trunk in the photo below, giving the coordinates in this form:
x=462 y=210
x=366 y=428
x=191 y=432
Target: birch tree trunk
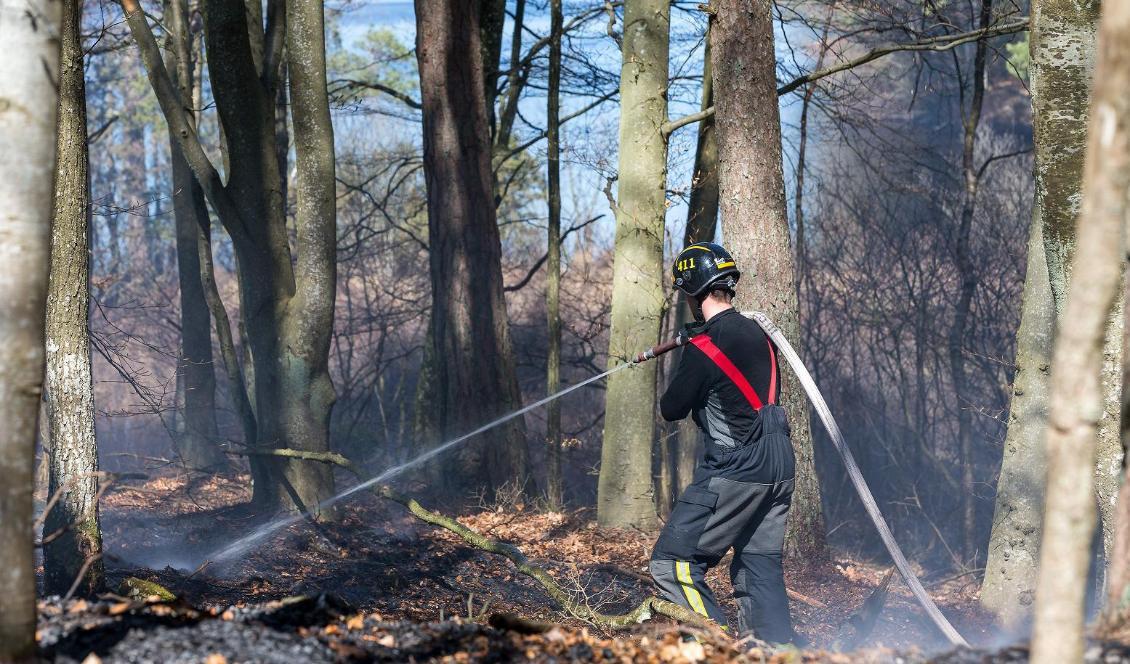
x=30 y=32
x=69 y=387
x=473 y=370
x=755 y=220
x=1076 y=387
x=555 y=491
x=625 y=493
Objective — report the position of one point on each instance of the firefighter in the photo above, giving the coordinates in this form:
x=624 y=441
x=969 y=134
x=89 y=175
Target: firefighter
x=727 y=380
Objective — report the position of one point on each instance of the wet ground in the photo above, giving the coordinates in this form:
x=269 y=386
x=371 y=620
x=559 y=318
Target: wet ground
x=379 y=585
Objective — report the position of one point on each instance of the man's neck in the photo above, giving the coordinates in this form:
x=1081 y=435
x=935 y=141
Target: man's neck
x=712 y=307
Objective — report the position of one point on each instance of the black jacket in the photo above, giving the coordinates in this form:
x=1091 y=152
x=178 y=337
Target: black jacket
x=700 y=388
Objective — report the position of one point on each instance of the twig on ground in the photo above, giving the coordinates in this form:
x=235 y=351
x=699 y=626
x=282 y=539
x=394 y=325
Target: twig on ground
x=805 y=599
x=648 y=608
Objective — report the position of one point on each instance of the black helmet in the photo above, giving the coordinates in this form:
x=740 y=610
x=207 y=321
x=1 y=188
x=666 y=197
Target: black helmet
x=702 y=265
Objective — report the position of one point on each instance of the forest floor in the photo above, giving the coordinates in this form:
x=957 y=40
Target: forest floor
x=380 y=585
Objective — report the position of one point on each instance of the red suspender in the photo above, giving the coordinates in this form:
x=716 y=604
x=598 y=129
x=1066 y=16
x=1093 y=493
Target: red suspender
x=719 y=358
x=772 y=371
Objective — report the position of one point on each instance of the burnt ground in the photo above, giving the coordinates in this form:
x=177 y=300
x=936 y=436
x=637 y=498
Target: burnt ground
x=380 y=585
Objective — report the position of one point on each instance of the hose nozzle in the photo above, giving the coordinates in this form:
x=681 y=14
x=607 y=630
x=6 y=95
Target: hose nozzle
x=659 y=349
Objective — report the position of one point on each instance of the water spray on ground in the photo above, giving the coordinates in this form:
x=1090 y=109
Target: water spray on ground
x=248 y=542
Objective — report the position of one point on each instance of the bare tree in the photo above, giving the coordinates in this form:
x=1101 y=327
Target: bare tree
x=30 y=30
x=197 y=437
x=287 y=301
x=625 y=492
x=76 y=547
x=755 y=218
x=471 y=363
x=971 y=179
x=554 y=488
x=679 y=449
x=1076 y=399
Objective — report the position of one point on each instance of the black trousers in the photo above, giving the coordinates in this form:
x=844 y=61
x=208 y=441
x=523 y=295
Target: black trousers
x=739 y=499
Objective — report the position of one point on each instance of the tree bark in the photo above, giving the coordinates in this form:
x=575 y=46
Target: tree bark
x=680 y=453
x=755 y=220
x=492 y=22
x=1009 y=588
x=198 y=436
x=1116 y=613
x=308 y=328
x=1062 y=48
x=1062 y=52
x=625 y=494
x=474 y=373
x=1076 y=403
x=30 y=31
x=555 y=491
x=287 y=302
x=69 y=387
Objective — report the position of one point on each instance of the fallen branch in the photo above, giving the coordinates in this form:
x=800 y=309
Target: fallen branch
x=861 y=623
x=805 y=599
x=648 y=608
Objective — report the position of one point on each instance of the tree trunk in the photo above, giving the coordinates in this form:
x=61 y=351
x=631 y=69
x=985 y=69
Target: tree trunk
x=1076 y=386
x=755 y=220
x=1062 y=59
x=515 y=81
x=286 y=302
x=197 y=439
x=1062 y=55
x=69 y=387
x=30 y=31
x=492 y=22
x=1109 y=454
x=1062 y=52
x=473 y=369
x=624 y=491
x=555 y=491
x=1010 y=568
x=680 y=450
x=307 y=329
x=967 y=272
x=1116 y=614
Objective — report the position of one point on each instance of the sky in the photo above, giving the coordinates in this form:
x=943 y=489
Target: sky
x=589 y=143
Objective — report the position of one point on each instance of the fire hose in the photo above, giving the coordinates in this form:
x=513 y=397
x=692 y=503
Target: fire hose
x=786 y=349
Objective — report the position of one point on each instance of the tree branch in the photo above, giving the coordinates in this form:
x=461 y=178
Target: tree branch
x=565 y=118
x=936 y=44
x=544 y=257
x=172 y=107
x=379 y=87
x=648 y=608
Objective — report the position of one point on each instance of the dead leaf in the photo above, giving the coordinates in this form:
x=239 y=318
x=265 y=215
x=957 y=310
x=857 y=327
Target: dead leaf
x=119 y=608
x=692 y=650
